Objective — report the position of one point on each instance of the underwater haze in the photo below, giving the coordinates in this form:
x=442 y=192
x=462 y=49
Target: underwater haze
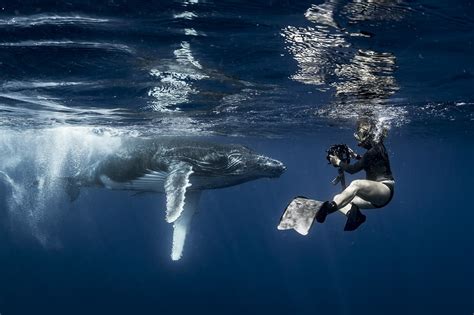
x=81 y=82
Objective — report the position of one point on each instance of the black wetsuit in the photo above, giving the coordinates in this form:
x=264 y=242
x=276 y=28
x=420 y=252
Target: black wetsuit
x=376 y=164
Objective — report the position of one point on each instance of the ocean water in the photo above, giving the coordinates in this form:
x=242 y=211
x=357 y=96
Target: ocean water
x=285 y=78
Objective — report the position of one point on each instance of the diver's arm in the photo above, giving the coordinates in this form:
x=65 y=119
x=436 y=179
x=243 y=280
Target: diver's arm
x=349 y=168
x=352 y=168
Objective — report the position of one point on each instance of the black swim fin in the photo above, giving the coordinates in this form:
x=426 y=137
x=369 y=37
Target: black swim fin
x=327 y=208
x=355 y=218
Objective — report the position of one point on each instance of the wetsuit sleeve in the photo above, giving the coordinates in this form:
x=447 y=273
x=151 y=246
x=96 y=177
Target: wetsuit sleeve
x=353 y=168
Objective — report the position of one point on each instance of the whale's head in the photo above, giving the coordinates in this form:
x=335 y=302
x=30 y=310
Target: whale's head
x=264 y=166
x=242 y=161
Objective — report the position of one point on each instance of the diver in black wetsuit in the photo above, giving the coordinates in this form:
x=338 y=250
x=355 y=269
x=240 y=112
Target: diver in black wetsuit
x=376 y=191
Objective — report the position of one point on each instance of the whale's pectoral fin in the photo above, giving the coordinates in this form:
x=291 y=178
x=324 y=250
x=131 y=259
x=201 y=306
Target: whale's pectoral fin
x=176 y=184
x=181 y=225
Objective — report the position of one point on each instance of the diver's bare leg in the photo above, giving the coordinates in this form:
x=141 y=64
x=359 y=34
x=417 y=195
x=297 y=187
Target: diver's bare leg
x=370 y=191
x=359 y=202
x=344 y=210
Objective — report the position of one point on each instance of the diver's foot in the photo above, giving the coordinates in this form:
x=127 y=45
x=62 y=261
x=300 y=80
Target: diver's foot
x=327 y=208
x=354 y=219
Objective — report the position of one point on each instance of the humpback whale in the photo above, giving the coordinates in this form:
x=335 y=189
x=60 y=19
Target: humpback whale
x=181 y=169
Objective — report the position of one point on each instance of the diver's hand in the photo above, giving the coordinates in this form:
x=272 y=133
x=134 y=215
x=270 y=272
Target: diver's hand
x=334 y=160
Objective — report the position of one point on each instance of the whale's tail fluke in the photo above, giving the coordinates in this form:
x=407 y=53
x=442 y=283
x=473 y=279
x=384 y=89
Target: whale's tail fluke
x=71 y=187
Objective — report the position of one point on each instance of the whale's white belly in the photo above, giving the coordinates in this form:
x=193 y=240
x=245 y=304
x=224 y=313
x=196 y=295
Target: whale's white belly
x=155 y=182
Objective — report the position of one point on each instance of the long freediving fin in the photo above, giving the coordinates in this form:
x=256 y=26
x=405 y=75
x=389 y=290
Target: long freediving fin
x=182 y=224
x=299 y=215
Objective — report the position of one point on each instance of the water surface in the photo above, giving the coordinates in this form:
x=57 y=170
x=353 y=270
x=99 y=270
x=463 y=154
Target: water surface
x=285 y=78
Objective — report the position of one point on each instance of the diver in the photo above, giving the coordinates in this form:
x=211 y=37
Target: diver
x=376 y=191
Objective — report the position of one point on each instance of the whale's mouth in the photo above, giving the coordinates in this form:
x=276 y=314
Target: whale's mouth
x=278 y=173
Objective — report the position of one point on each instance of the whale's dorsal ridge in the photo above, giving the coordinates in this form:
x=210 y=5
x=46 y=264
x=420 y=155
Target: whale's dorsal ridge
x=176 y=184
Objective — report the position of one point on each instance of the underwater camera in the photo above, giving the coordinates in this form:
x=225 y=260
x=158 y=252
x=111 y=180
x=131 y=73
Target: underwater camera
x=342 y=151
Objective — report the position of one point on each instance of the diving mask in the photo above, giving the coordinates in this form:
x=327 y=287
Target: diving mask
x=363 y=133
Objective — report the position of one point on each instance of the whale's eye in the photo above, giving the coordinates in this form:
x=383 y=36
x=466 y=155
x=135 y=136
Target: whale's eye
x=235 y=157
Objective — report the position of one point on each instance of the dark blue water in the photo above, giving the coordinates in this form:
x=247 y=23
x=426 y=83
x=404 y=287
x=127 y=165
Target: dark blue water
x=287 y=79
